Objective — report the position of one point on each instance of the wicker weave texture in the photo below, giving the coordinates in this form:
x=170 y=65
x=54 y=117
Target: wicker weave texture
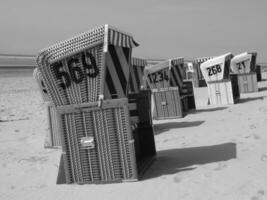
x=75 y=79
x=113 y=156
x=74 y=70
x=54 y=134
x=167 y=103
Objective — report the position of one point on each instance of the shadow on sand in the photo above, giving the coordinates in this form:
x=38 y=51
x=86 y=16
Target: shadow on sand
x=159 y=128
x=207 y=110
x=251 y=99
x=177 y=160
x=262 y=89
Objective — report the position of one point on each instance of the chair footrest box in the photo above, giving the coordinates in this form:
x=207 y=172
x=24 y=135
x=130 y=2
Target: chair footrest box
x=97 y=142
x=247 y=82
x=100 y=145
x=222 y=92
x=167 y=103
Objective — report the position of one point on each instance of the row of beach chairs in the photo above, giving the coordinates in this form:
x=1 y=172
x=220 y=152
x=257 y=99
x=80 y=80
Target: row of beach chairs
x=101 y=102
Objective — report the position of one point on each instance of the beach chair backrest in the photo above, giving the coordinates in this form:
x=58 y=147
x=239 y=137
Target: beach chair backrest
x=158 y=76
x=217 y=68
x=241 y=63
x=91 y=66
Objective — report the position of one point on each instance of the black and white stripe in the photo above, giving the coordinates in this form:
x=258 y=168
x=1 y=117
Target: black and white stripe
x=137 y=74
x=178 y=73
x=118 y=38
x=117 y=72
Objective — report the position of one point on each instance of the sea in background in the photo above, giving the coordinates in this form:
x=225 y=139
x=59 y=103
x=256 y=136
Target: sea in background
x=16 y=72
x=28 y=71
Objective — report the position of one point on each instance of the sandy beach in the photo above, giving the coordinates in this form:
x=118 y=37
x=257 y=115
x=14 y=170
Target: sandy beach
x=211 y=153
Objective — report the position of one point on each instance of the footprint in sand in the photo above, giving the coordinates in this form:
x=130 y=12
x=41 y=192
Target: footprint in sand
x=256 y=137
x=166 y=140
x=258 y=196
x=176 y=179
x=220 y=166
x=252 y=126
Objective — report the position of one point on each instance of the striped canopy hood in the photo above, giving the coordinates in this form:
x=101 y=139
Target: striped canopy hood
x=139 y=62
x=87 y=67
x=202 y=59
x=102 y=34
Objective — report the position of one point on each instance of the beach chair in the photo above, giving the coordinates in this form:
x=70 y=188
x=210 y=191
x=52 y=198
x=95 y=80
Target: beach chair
x=200 y=81
x=87 y=78
x=52 y=139
x=245 y=68
x=170 y=93
x=222 y=88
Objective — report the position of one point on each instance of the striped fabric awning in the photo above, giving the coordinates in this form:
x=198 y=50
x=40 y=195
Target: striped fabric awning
x=102 y=34
x=138 y=62
x=119 y=38
x=157 y=67
x=177 y=61
x=203 y=59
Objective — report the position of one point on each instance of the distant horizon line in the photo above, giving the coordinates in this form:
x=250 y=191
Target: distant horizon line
x=149 y=59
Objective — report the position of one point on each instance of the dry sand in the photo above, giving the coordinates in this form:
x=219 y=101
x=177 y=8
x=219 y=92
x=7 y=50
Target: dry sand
x=212 y=153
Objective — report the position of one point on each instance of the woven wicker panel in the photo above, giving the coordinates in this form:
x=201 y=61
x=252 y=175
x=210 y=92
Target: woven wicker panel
x=73 y=70
x=55 y=139
x=75 y=79
x=113 y=156
x=167 y=103
x=159 y=79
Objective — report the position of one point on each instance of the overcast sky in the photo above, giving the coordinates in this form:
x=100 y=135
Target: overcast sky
x=163 y=28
